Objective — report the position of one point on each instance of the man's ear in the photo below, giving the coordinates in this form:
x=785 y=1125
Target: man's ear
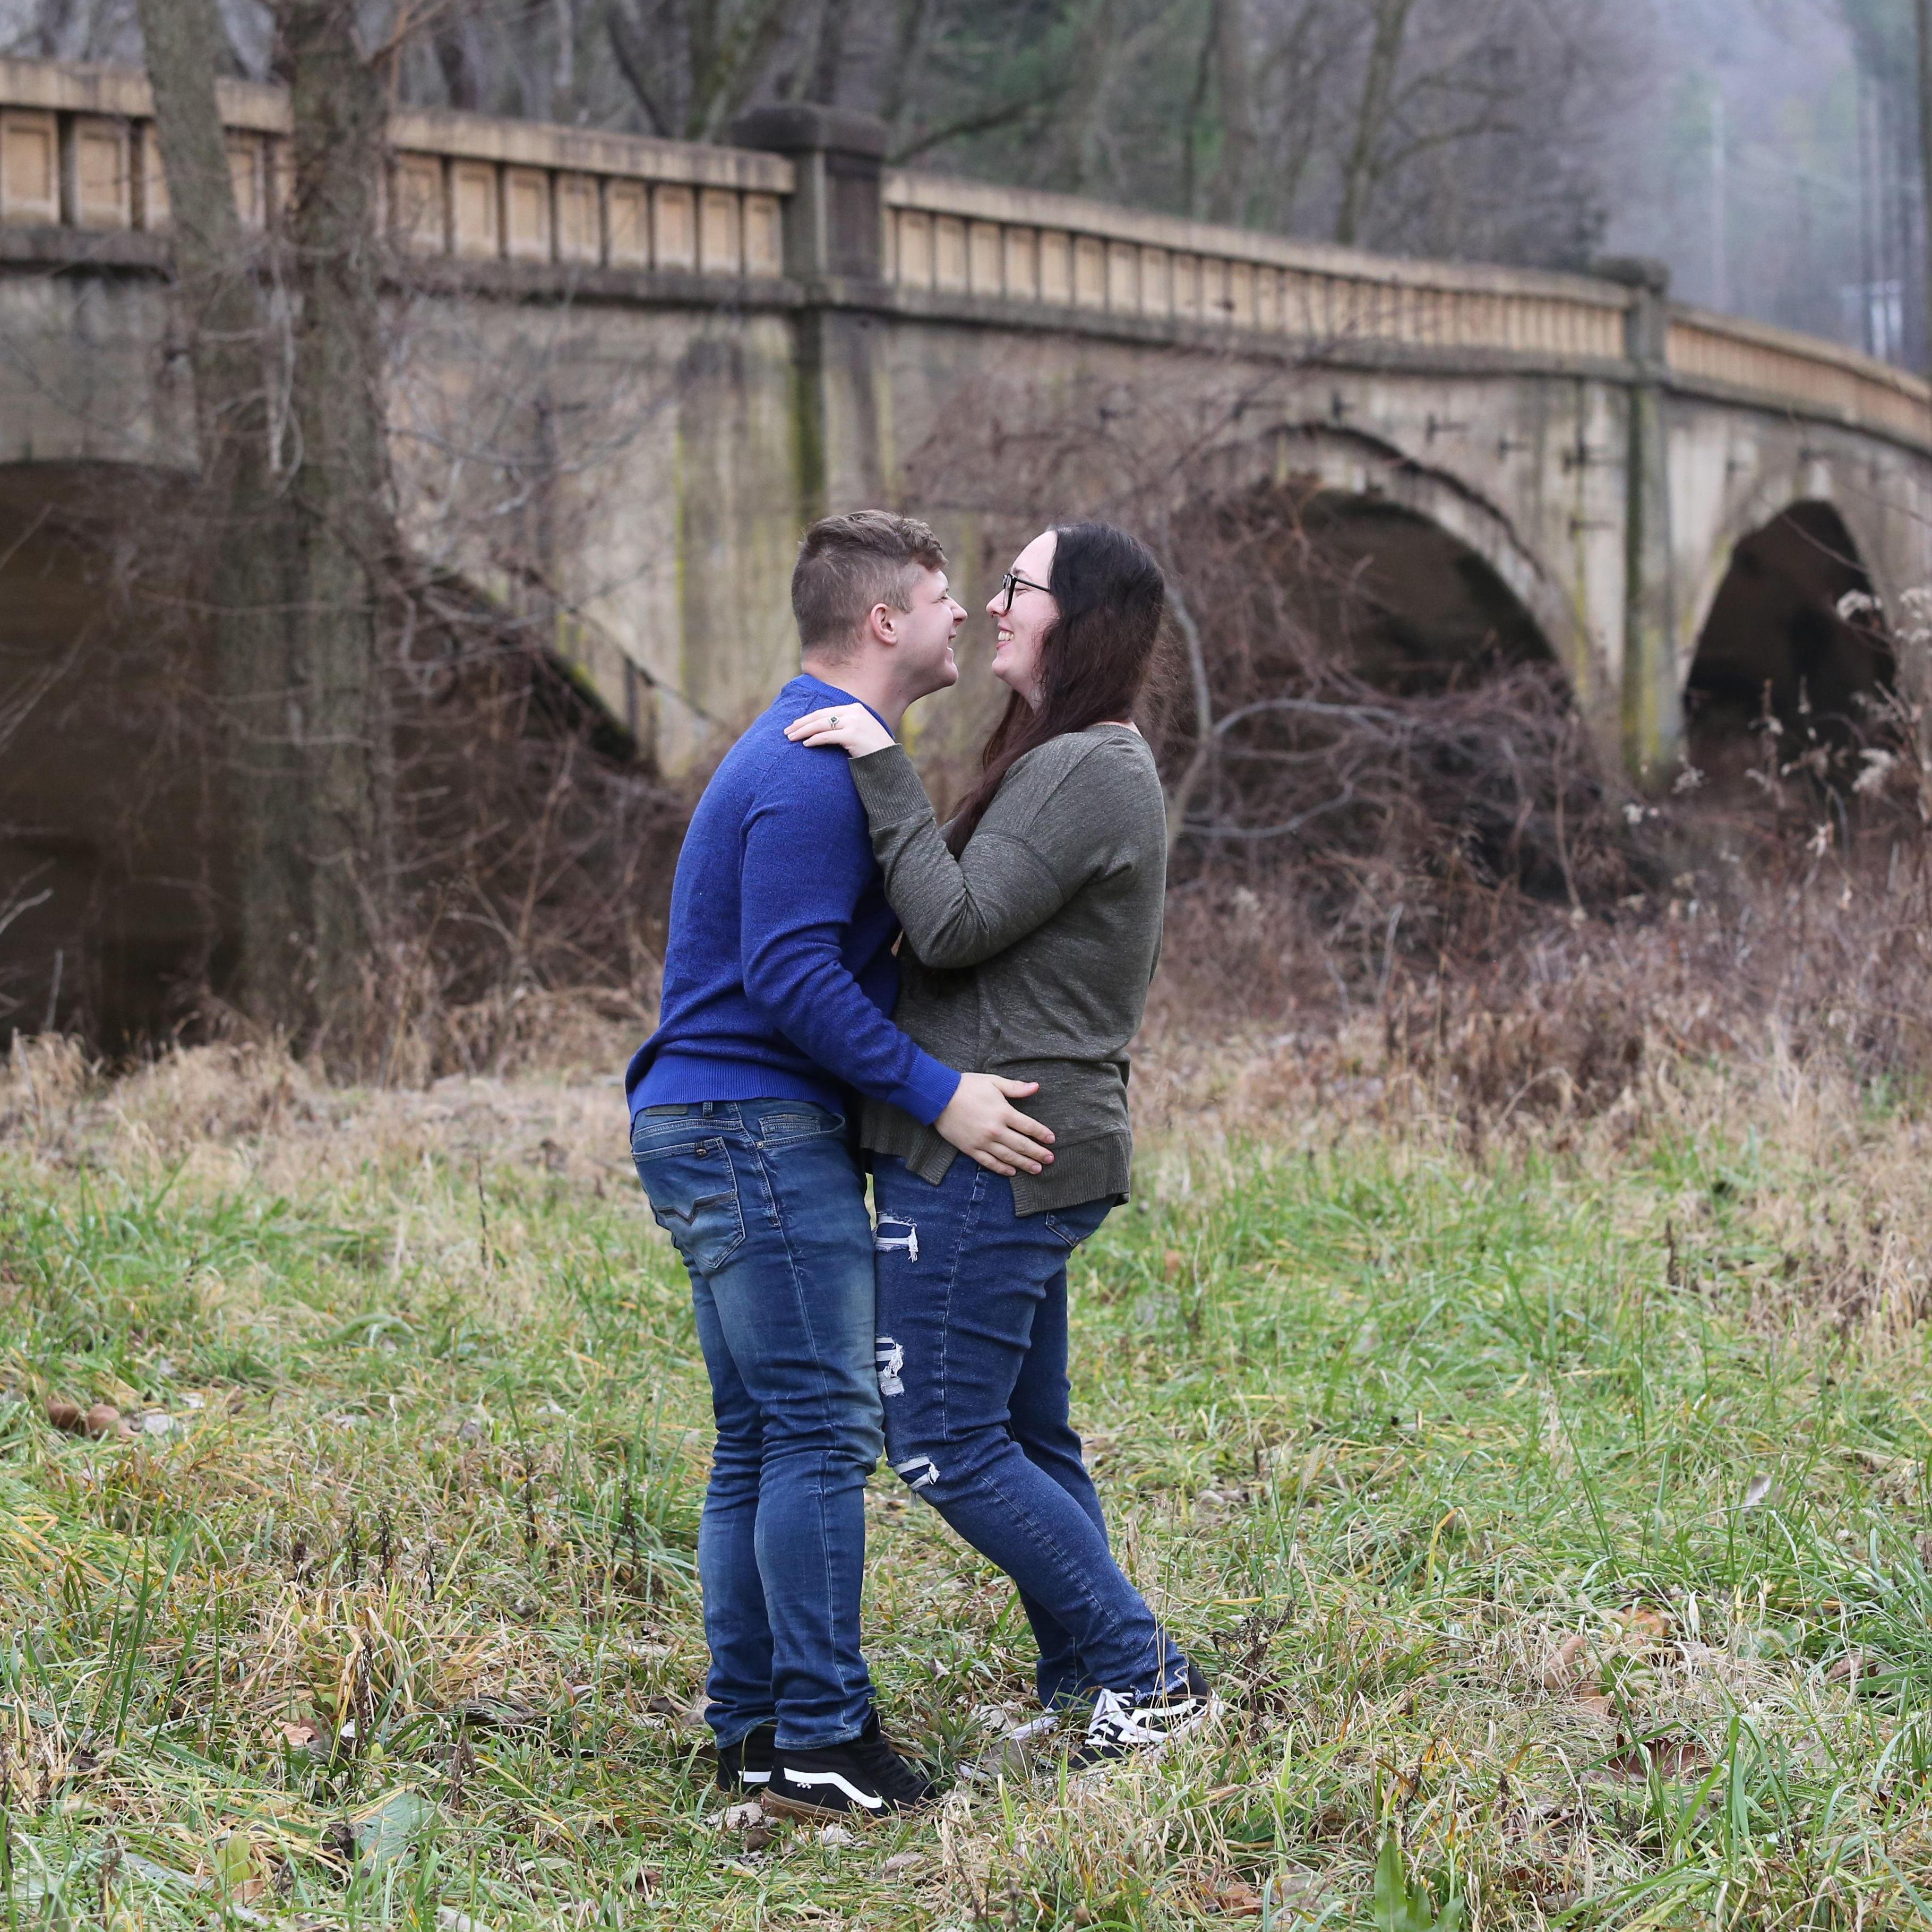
x=882 y=622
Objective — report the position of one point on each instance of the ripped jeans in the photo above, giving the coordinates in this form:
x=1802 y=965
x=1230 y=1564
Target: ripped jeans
x=972 y=1362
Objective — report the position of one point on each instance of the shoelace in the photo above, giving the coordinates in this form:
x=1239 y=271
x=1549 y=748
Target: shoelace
x=1121 y=1719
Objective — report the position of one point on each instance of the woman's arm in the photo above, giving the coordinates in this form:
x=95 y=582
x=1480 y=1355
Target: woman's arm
x=958 y=912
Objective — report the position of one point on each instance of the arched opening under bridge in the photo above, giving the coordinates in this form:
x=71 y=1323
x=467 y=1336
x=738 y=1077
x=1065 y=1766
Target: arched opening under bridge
x=1790 y=638
x=1387 y=707
x=105 y=897
x=1412 y=608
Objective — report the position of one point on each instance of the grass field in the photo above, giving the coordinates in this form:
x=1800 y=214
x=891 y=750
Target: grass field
x=1555 y=1512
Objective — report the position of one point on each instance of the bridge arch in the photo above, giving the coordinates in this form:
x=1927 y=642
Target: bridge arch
x=1771 y=629
x=1355 y=477
x=1774 y=487
x=1447 y=568
x=106 y=881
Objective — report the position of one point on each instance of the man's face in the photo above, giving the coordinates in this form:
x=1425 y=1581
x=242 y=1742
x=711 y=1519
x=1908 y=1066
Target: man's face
x=926 y=629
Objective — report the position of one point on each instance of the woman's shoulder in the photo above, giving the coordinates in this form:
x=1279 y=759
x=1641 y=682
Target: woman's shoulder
x=1106 y=762
x=1100 y=747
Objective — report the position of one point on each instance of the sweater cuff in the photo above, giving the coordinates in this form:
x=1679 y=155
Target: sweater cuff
x=889 y=787
x=928 y=1089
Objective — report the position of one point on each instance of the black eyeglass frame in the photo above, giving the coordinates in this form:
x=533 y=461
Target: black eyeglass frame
x=1011 y=582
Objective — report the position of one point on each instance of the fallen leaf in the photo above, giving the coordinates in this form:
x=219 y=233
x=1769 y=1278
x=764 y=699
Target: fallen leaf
x=835 y=1835
x=1234 y=1898
x=1547 y=1887
x=241 y=1872
x=82 y=1760
x=742 y=1817
x=102 y=1419
x=299 y=1737
x=1651 y=1624
x=1172 y=1262
x=448 y=1919
x=1566 y=1666
x=65 y=1415
x=1758 y=1489
x=338 y=1844
x=1288 y=1888
x=1673 y=1757
x=1852 y=1666
x=901 y=1863
x=384 y=1832
x=1595 y=1703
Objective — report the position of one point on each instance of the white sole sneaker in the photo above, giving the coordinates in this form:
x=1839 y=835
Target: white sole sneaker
x=1146 y=1749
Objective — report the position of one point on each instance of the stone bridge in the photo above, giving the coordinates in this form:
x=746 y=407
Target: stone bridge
x=625 y=372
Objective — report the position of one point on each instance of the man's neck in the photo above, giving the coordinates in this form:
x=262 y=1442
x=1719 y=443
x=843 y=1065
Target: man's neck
x=870 y=682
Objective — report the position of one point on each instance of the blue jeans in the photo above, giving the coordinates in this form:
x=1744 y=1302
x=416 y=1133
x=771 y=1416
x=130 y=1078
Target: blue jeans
x=972 y=1368
x=766 y=1204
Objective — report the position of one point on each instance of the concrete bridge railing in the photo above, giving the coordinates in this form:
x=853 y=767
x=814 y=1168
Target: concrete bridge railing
x=77 y=150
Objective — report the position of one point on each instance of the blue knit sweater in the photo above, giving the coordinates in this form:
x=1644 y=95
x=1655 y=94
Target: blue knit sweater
x=779 y=972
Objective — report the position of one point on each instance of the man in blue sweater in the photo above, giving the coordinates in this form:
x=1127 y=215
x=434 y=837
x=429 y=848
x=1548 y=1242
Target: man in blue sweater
x=778 y=977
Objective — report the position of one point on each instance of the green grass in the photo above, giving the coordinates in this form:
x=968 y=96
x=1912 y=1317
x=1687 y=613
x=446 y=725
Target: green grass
x=1378 y=1432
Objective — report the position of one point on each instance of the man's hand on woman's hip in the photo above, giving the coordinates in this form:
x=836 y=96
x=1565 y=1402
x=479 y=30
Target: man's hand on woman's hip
x=981 y=1120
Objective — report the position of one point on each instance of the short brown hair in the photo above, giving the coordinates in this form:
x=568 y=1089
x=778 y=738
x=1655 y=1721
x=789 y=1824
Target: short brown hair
x=848 y=564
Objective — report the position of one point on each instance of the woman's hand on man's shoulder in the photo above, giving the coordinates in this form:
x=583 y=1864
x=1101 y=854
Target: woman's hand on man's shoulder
x=851 y=727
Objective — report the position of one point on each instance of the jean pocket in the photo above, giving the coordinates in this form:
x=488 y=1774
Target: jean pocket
x=804 y=1122
x=1073 y=1225
x=694 y=1197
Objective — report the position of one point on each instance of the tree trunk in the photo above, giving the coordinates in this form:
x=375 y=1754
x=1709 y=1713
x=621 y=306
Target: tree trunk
x=1925 y=163
x=1360 y=170
x=258 y=785
x=300 y=554
x=828 y=64
x=1228 y=192
x=339 y=493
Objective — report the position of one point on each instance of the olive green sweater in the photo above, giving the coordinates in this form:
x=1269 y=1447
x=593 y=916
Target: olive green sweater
x=1031 y=953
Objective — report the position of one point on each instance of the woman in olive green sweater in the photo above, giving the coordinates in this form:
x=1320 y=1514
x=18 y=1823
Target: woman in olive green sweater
x=1032 y=922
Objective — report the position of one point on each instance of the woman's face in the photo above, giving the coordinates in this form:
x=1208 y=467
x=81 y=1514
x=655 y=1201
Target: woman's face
x=1022 y=631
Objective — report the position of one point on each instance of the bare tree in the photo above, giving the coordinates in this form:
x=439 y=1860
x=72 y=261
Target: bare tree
x=720 y=52
x=296 y=510
x=254 y=675
x=342 y=527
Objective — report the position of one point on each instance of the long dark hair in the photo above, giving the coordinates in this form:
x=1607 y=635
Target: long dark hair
x=1094 y=658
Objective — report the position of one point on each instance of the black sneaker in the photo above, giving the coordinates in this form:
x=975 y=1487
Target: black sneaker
x=1124 y=1726
x=865 y=1778
x=747 y=1764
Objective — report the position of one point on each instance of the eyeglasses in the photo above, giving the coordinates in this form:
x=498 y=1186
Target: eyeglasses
x=1011 y=582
